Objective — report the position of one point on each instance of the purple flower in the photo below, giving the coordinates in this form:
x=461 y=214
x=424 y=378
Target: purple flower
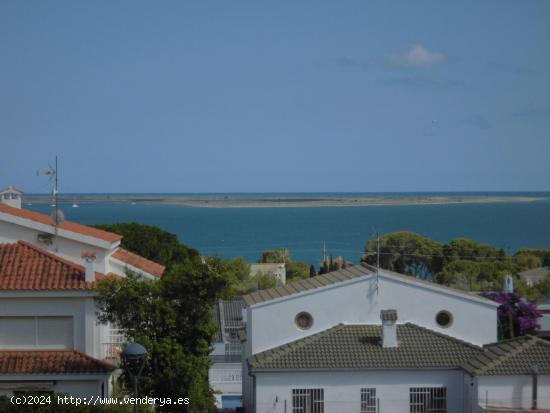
x=516 y=317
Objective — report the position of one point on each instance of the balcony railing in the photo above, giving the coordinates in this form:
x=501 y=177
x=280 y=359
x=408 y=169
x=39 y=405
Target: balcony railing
x=111 y=349
x=224 y=376
x=233 y=349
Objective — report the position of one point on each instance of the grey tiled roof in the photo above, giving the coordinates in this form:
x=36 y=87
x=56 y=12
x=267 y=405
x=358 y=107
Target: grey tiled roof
x=359 y=347
x=295 y=287
x=345 y=274
x=512 y=357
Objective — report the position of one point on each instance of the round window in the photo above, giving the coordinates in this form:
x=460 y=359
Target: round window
x=304 y=320
x=444 y=319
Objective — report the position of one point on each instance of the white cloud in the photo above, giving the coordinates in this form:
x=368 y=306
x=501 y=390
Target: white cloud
x=417 y=56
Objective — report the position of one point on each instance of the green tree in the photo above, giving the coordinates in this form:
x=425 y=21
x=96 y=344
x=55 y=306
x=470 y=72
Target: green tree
x=151 y=242
x=407 y=253
x=275 y=256
x=236 y=273
x=459 y=273
x=296 y=270
x=172 y=318
x=540 y=292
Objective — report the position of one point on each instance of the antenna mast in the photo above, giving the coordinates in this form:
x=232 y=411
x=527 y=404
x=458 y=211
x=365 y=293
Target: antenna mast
x=57 y=215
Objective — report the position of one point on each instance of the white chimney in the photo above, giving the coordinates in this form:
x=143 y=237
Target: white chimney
x=389 y=328
x=11 y=196
x=89 y=258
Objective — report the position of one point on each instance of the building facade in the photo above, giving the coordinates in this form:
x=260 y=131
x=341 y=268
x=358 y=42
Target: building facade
x=364 y=340
x=50 y=338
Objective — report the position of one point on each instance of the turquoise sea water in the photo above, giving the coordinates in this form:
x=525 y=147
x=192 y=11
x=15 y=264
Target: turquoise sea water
x=247 y=232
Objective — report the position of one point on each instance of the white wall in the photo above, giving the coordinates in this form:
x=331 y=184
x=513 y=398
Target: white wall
x=227 y=387
x=82 y=309
x=357 y=302
x=77 y=385
x=342 y=389
x=512 y=391
x=68 y=248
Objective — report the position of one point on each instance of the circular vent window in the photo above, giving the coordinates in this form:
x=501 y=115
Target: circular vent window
x=444 y=319
x=304 y=320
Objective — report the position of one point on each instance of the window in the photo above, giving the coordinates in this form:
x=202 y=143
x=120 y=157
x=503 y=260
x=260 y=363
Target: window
x=428 y=399
x=444 y=319
x=368 y=400
x=308 y=401
x=304 y=320
x=36 y=332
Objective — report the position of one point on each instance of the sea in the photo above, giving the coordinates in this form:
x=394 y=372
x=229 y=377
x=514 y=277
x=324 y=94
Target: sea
x=246 y=232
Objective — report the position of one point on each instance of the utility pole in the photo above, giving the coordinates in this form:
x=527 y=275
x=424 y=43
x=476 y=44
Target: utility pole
x=324 y=251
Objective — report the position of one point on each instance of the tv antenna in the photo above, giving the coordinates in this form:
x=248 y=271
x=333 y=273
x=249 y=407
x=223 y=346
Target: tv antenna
x=377 y=235
x=57 y=215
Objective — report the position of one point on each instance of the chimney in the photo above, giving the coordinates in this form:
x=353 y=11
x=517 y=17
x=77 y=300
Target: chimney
x=389 y=328
x=89 y=258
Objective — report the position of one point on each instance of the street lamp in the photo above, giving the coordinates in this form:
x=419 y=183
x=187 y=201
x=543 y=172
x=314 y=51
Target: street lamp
x=133 y=357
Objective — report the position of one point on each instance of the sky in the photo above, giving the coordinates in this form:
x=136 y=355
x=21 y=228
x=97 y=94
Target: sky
x=280 y=96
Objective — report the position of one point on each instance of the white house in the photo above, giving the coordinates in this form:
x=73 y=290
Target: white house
x=361 y=340
x=225 y=372
x=277 y=270
x=49 y=335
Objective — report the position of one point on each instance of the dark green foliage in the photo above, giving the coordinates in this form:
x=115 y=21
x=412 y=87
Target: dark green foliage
x=461 y=263
x=151 y=242
x=312 y=271
x=407 y=253
x=540 y=292
x=275 y=256
x=296 y=270
x=172 y=318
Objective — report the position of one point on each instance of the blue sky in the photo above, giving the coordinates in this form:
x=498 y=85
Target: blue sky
x=254 y=96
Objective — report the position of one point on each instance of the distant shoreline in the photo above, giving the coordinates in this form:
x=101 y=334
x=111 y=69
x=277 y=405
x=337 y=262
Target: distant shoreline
x=283 y=201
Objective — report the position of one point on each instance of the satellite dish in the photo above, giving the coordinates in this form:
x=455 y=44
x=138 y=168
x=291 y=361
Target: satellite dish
x=57 y=216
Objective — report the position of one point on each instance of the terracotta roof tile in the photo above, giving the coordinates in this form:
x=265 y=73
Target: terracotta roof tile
x=66 y=225
x=50 y=362
x=24 y=266
x=137 y=261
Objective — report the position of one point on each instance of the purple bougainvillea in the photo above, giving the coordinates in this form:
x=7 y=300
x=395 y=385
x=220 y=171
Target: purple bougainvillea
x=516 y=317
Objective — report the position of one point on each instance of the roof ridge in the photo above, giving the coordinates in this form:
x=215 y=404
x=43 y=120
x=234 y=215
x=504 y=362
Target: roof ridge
x=70 y=226
x=443 y=335
x=285 y=348
x=52 y=255
x=306 y=282
x=420 y=281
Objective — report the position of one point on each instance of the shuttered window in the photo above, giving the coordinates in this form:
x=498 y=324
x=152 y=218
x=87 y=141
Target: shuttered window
x=36 y=332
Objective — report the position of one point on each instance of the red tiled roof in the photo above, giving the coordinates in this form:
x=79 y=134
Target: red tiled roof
x=66 y=225
x=139 y=262
x=51 y=362
x=24 y=266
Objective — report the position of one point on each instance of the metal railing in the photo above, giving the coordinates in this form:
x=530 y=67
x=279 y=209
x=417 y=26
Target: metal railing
x=225 y=376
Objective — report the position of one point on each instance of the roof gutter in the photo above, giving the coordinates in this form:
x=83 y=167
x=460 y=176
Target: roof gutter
x=351 y=369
